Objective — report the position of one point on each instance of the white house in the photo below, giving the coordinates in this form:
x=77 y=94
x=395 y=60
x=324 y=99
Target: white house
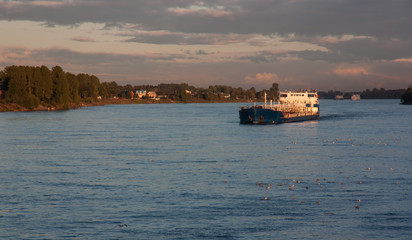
x=152 y=94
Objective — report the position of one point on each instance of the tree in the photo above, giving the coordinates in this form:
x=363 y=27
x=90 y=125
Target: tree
x=251 y=93
x=238 y=93
x=28 y=72
x=17 y=85
x=113 y=89
x=274 y=92
x=103 y=90
x=45 y=85
x=35 y=84
x=73 y=83
x=94 y=87
x=61 y=93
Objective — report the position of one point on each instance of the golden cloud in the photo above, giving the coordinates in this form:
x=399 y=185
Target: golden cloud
x=262 y=78
x=341 y=71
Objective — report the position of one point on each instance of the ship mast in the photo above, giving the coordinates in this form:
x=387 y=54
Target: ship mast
x=265 y=99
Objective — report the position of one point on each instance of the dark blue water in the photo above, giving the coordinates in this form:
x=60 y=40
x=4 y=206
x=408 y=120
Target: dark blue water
x=190 y=171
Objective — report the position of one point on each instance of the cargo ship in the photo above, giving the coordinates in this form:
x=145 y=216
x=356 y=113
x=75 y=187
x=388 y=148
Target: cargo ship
x=293 y=106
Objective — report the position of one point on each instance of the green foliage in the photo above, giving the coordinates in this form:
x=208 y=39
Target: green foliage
x=73 y=88
x=29 y=101
x=251 y=93
x=61 y=93
x=274 y=92
x=109 y=89
x=17 y=85
x=46 y=85
x=29 y=86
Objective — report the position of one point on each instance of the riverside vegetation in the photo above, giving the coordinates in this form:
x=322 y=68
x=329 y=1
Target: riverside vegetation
x=28 y=88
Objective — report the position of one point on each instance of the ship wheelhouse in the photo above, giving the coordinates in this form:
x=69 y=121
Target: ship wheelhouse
x=305 y=100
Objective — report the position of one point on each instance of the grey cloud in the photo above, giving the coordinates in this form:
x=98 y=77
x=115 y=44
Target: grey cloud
x=351 y=51
x=113 y=67
x=258 y=58
x=98 y=61
x=163 y=39
x=385 y=24
x=317 y=17
x=82 y=39
x=187 y=39
x=201 y=52
x=374 y=49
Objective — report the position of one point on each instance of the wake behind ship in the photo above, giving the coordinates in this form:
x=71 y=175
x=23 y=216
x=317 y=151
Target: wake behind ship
x=293 y=106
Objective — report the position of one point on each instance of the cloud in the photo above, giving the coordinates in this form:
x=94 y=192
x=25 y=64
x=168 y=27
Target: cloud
x=342 y=71
x=296 y=39
x=340 y=50
x=217 y=11
x=372 y=49
x=406 y=60
x=305 y=18
x=14 y=54
x=62 y=56
x=178 y=38
x=265 y=56
x=82 y=39
x=22 y=4
x=263 y=78
x=201 y=52
x=154 y=68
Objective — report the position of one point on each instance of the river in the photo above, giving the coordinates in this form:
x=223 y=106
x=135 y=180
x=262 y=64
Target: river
x=191 y=171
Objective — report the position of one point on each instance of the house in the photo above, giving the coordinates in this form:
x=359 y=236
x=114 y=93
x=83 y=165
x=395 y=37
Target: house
x=140 y=93
x=152 y=94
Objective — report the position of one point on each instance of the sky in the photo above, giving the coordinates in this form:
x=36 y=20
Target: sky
x=348 y=45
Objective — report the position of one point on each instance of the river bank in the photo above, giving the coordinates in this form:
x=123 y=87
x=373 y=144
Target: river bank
x=13 y=107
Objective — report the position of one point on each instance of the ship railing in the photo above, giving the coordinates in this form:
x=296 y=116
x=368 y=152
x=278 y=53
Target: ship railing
x=298 y=114
x=284 y=107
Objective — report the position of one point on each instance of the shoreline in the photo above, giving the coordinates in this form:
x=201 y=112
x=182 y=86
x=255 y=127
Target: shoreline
x=13 y=107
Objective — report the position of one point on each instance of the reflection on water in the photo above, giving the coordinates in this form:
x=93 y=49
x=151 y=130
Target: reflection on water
x=187 y=171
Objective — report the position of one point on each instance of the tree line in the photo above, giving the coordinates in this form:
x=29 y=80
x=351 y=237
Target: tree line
x=29 y=86
x=215 y=93
x=366 y=94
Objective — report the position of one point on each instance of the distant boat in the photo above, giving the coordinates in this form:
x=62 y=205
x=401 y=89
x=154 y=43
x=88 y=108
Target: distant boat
x=293 y=106
x=355 y=97
x=338 y=97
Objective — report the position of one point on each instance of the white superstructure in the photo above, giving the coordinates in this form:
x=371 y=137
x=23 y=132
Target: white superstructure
x=355 y=97
x=300 y=101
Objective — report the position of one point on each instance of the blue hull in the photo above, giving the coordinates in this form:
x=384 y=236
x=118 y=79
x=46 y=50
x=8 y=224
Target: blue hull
x=269 y=116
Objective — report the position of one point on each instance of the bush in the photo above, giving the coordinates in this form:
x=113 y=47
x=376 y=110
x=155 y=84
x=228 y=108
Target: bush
x=29 y=101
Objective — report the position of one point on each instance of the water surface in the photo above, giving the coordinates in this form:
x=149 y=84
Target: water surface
x=190 y=171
